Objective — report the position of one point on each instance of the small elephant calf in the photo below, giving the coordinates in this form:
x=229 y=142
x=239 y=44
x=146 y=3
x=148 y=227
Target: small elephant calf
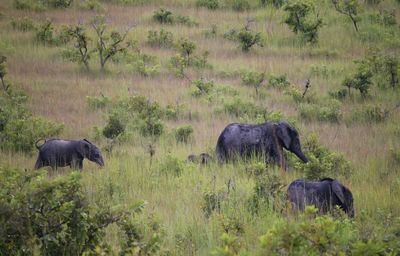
x=60 y=153
x=203 y=158
x=324 y=194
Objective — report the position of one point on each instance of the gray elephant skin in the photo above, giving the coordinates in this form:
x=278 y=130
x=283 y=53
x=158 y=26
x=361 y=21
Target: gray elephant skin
x=60 y=153
x=324 y=194
x=267 y=140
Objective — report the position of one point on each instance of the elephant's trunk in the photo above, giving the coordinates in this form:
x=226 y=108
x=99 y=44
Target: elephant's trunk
x=297 y=151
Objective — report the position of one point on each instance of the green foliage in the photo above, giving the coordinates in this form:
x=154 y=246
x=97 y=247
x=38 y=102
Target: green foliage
x=202 y=87
x=44 y=33
x=51 y=217
x=248 y=39
x=240 y=5
x=210 y=4
x=276 y=3
x=268 y=191
x=171 y=165
x=80 y=52
x=91 y=5
x=183 y=133
x=163 y=16
x=369 y=114
x=278 y=82
x=108 y=46
x=114 y=127
x=360 y=80
x=230 y=246
x=239 y=107
x=19 y=129
x=23 y=24
x=145 y=65
x=41 y=5
x=186 y=48
x=328 y=112
x=253 y=79
x=301 y=18
x=350 y=8
x=160 y=38
x=309 y=235
x=98 y=102
x=178 y=64
x=212 y=202
x=323 y=162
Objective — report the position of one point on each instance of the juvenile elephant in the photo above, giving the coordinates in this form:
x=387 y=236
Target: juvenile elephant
x=267 y=139
x=324 y=194
x=203 y=158
x=60 y=153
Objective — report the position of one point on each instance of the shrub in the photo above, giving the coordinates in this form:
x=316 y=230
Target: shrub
x=370 y=114
x=240 y=5
x=98 y=102
x=91 y=5
x=323 y=163
x=52 y=217
x=172 y=165
x=301 y=18
x=186 y=48
x=241 y=108
x=268 y=192
x=322 y=235
x=163 y=16
x=360 y=80
x=253 y=79
x=145 y=65
x=329 y=112
x=349 y=8
x=275 y=3
x=339 y=94
x=185 y=20
x=160 y=39
x=210 y=4
x=44 y=33
x=212 y=202
x=183 y=133
x=114 y=127
x=41 y=5
x=23 y=24
x=248 y=39
x=178 y=64
x=202 y=87
x=278 y=82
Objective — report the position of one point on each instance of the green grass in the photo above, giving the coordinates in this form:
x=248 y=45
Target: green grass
x=57 y=90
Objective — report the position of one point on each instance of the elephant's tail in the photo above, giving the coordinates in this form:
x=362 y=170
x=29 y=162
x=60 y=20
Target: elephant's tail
x=36 y=143
x=221 y=150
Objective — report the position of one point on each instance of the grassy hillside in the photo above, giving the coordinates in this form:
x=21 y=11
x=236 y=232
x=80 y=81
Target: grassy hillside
x=364 y=129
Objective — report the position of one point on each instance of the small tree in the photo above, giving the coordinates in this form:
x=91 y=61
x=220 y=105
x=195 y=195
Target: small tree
x=349 y=8
x=248 y=39
x=186 y=49
x=254 y=79
x=108 y=45
x=81 y=54
x=300 y=20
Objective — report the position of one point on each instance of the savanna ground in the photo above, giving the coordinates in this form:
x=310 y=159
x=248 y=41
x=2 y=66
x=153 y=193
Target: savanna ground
x=175 y=190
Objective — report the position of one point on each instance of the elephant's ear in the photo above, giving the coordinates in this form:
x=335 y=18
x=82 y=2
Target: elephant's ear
x=282 y=131
x=84 y=149
x=338 y=191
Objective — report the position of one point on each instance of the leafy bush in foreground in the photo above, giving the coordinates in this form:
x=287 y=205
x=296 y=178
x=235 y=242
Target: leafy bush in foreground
x=52 y=217
x=323 y=162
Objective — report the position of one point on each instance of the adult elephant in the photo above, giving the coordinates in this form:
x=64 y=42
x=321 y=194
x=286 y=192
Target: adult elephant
x=267 y=139
x=60 y=153
x=324 y=194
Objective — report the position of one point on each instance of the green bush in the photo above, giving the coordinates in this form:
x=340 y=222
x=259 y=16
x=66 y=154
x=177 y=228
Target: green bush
x=322 y=162
x=91 y=5
x=240 y=5
x=275 y=3
x=163 y=16
x=144 y=64
x=41 y=5
x=329 y=112
x=309 y=235
x=238 y=107
x=23 y=24
x=172 y=165
x=369 y=114
x=52 y=217
x=160 y=38
x=98 y=102
x=114 y=127
x=302 y=18
x=210 y=4
x=248 y=39
x=183 y=133
x=185 y=20
x=212 y=202
x=45 y=33
x=279 y=82
x=268 y=192
x=361 y=80
x=202 y=87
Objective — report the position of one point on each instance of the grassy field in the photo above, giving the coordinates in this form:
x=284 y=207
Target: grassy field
x=58 y=90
